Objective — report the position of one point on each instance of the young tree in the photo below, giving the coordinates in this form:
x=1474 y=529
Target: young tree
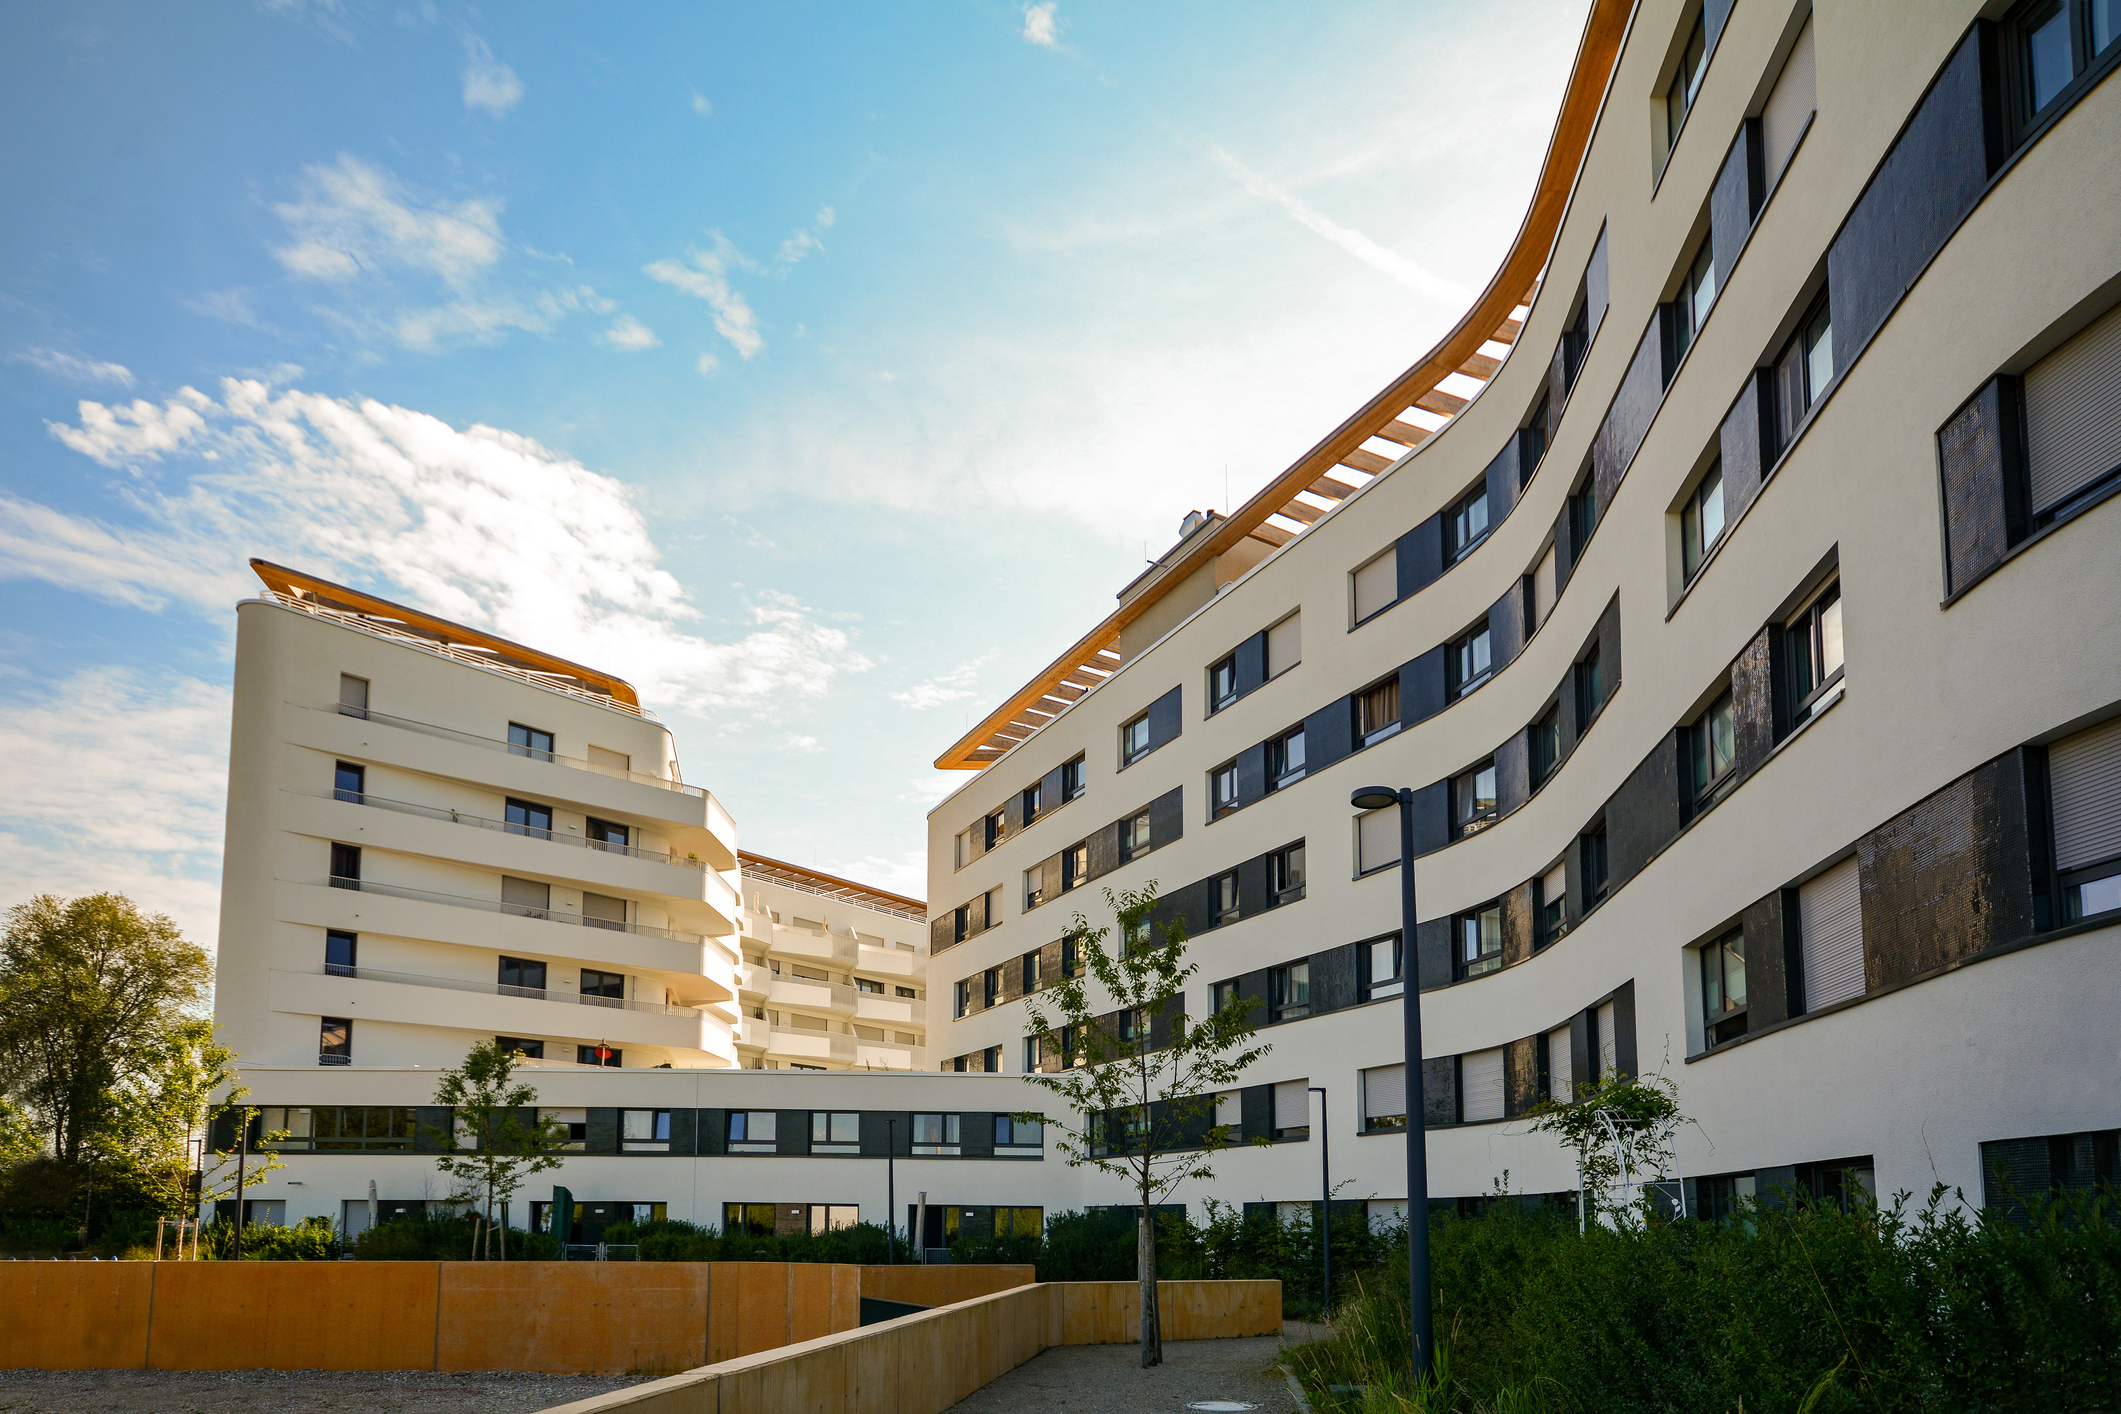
x=87 y=985
x=164 y=1102
x=1141 y=1076
x=1622 y=1131
x=493 y=1148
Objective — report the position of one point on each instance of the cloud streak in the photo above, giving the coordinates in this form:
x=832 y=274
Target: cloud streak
x=79 y=370
x=707 y=278
x=354 y=218
x=489 y=85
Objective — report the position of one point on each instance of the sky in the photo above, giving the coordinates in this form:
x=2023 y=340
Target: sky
x=822 y=370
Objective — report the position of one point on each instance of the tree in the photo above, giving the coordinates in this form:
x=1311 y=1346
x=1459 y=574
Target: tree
x=164 y=1101
x=492 y=1147
x=87 y=985
x=1622 y=1131
x=1142 y=1077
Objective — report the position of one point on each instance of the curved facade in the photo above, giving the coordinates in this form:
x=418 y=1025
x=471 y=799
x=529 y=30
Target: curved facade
x=1743 y=637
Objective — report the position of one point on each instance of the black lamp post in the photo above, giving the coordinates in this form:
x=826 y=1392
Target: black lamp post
x=1325 y=1180
x=1381 y=798
x=891 y=1191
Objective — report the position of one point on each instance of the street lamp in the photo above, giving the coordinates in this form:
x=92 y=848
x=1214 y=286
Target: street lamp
x=1325 y=1180
x=1424 y=1334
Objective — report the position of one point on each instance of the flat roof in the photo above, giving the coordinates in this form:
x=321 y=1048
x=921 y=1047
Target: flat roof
x=832 y=886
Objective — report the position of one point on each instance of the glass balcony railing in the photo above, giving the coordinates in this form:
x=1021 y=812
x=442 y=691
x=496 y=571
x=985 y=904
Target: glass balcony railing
x=536 y=832
x=488 y=743
x=498 y=989
x=520 y=910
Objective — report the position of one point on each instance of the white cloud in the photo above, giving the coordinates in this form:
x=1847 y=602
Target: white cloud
x=707 y=365
x=630 y=335
x=81 y=370
x=806 y=744
x=117 y=781
x=803 y=240
x=701 y=106
x=1039 y=25
x=707 y=278
x=480 y=525
x=488 y=83
x=953 y=686
x=355 y=218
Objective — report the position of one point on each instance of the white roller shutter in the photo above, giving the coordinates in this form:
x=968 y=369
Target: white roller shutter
x=1480 y=1077
x=1292 y=1104
x=2084 y=780
x=1830 y=908
x=1229 y=1109
x=1384 y=1092
x=1561 y=1080
x=1555 y=884
x=1607 y=1057
x=2073 y=414
x=1377 y=839
x=1789 y=106
x=1285 y=643
x=1377 y=584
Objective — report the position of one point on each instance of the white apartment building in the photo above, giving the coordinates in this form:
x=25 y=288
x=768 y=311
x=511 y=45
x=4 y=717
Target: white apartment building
x=1733 y=587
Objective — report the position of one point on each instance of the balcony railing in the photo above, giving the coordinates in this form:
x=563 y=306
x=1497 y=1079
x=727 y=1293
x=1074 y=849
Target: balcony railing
x=497 y=989
x=905 y=913
x=488 y=743
x=520 y=910
x=535 y=832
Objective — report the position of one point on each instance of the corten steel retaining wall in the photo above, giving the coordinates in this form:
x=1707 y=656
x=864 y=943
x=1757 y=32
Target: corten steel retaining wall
x=924 y=1363
x=553 y=1317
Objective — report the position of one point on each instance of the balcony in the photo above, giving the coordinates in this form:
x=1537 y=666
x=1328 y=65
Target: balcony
x=803 y=994
x=890 y=1011
x=801 y=1047
x=368 y=994
x=510 y=748
x=753 y=982
x=546 y=915
x=500 y=989
x=751 y=1033
x=480 y=822
x=888 y=1055
x=888 y=962
x=812 y=946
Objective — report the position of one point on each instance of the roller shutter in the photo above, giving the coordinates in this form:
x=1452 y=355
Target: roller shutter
x=1292 y=1104
x=1377 y=585
x=1384 y=1093
x=2084 y=779
x=2073 y=414
x=1830 y=908
x=1285 y=645
x=1561 y=1084
x=1482 y=1081
x=1377 y=838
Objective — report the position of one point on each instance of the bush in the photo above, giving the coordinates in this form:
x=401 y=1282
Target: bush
x=863 y=1244
x=445 y=1239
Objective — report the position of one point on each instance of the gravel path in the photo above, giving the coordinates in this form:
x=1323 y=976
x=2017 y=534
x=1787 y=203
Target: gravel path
x=1108 y=1379
x=291 y=1391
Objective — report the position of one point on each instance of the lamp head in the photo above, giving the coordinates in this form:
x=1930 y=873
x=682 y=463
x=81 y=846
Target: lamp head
x=1374 y=798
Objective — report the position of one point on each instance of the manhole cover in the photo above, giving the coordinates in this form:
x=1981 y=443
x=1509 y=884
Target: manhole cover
x=1220 y=1406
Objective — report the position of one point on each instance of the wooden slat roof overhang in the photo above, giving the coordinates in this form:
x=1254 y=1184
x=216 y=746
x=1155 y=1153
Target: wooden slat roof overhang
x=1410 y=410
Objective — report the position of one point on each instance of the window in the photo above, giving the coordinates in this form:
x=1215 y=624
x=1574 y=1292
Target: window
x=600 y=1055
x=529 y=818
x=907 y=992
x=1376 y=585
x=1013 y=1133
x=1701 y=521
x=613 y=839
x=1803 y=371
x=2049 y=43
x=353 y=696
x=1383 y=967
x=520 y=1048
x=1285 y=759
x=1222 y=790
x=753 y=1132
x=1286 y=868
x=1473 y=806
x=1684 y=315
x=994 y=827
x=349 y=782
x=1583 y=517
x=1480 y=941
x=1590 y=690
x=1290 y=991
x=1812 y=655
x=1466 y=524
x=644 y=1131
x=1285 y=645
x=1033 y=801
x=605 y=986
x=1032 y=1060
x=835 y=1132
x=936 y=1134
x=334 y=1041
x=1472 y=659
x=961 y=923
x=1679 y=98
x=1532 y=443
x=1226 y=898
x=1223 y=996
x=339 y=950
x=342 y=1128
x=1073 y=780
x=1377 y=840
x=1070 y=964
x=1377 y=711
x=1034 y=886
x=1134 y=740
x=1075 y=866
x=1545 y=746
x=1136 y=837
x=1222 y=684
x=1723 y=987
x=529 y=741
x=868 y=988
x=572 y=1126
x=1591 y=848
x=346 y=866
x=1712 y=753
x=1575 y=343
x=1551 y=899
x=1135 y=936
x=1292 y=1109
x=519 y=975
x=1030 y=963
x=990 y=986
x=2081 y=772
x=964 y=997
x=1384 y=1097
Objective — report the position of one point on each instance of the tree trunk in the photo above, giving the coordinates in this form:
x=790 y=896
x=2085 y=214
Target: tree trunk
x=1145 y=1256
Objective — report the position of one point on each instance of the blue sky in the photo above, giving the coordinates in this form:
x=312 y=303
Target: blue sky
x=822 y=369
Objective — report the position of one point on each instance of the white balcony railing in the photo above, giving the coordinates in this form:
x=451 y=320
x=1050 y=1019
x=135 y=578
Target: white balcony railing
x=480 y=822
x=520 y=910
x=498 y=989
x=488 y=743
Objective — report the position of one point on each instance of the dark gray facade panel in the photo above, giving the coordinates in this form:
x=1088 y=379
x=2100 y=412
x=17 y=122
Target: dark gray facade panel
x=1627 y=419
x=1595 y=286
x=1432 y=817
x=432 y=1124
x=1251 y=665
x=1013 y=817
x=1421 y=686
x=684 y=1131
x=1256 y=1112
x=1753 y=703
x=1167 y=817
x=1251 y=774
x=1439 y=1091
x=1625 y=1059
x=1517 y=924
x=1741 y=444
x=1521 y=1089
x=1049 y=792
x=601 y=1130
x=1766 y=982
x=1981 y=470
x=712 y=1131
x=1166 y=719
x=1333 y=979
x=1513 y=774
x=1643 y=815
x=1585 y=1054
x=1564 y=552
x=1253 y=884
x=942 y=930
x=1104 y=850
x=1609 y=646
x=1432 y=952
x=1713 y=15
x=975 y=1134
x=1329 y=733
x=791 y=1129
x=1503 y=479
x=1506 y=633
x=1420 y=556
x=1735 y=198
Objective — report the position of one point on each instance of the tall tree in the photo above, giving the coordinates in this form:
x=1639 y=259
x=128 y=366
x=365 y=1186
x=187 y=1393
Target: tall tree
x=85 y=985
x=165 y=1099
x=1139 y=1074
x=492 y=1147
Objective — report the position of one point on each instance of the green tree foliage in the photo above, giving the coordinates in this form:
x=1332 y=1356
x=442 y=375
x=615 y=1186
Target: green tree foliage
x=498 y=1141
x=1622 y=1131
x=88 y=987
x=1145 y=1113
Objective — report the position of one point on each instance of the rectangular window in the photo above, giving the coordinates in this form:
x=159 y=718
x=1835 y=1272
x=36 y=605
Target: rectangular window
x=1480 y=941
x=908 y=992
x=995 y=826
x=1222 y=790
x=1285 y=759
x=529 y=818
x=1033 y=801
x=1033 y=1062
x=1590 y=690
x=1575 y=343
x=607 y=986
x=348 y=1128
x=1021 y=1134
x=868 y=988
x=964 y=997
x=1712 y=753
x=1543 y=591
x=1384 y=1097
x=936 y=1134
x=1070 y=963
x=1223 y=996
x=1544 y=743
x=1226 y=904
x=1592 y=864
x=1292 y=1109
x=1551 y=898
x=1466 y=524
x=1830 y=921
x=835 y=1132
x=339 y=953
x=612 y=839
x=1285 y=645
x=1136 y=837
x=1222 y=684
x=1075 y=866
x=600 y=1055
x=1532 y=444
x=991 y=986
x=520 y=975
x=1034 y=886
x=2084 y=792
x=520 y=1048
x=1287 y=870
x=1473 y=804
x=753 y=1131
x=1383 y=967
x=1679 y=98
x=1376 y=585
x=349 y=782
x=525 y=898
x=1073 y=779
x=1472 y=659
x=1812 y=658
x=1701 y=521
x=1291 y=991
x=1683 y=316
x=1134 y=740
x=2048 y=45
x=961 y=923
x=1583 y=518
x=529 y=741
x=1377 y=711
x=353 y=696
x=572 y=1126
x=346 y=866
x=644 y=1131
x=1031 y=979
x=1803 y=371
x=335 y=1041
x=1723 y=987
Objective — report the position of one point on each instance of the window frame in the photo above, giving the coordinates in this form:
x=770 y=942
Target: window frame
x=1706 y=785
x=1465 y=822
x=1809 y=625
x=1545 y=731
x=1685 y=88
x=1287 y=878
x=1456 y=665
x=536 y=743
x=1592 y=849
x=1368 y=702
x=2087 y=65
x=1279 y=772
x=1283 y=983
x=1695 y=543
x=1075 y=777
x=1222 y=790
x=1137 y=836
x=1476 y=960
x=1460 y=539
x=829 y=1144
x=1370 y=986
x=342 y=773
x=1796 y=391
x=1129 y=750
x=1722 y=1021
x=1589 y=682
x=334 y=1040
x=1222 y=683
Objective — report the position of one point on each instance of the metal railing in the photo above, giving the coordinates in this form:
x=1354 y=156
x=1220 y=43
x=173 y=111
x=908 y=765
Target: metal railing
x=535 y=832
x=842 y=897
x=502 y=989
x=369 y=714
x=520 y=910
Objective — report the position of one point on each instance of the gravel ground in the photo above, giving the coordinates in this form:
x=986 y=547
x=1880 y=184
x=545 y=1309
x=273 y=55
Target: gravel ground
x=1108 y=1379
x=291 y=1391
